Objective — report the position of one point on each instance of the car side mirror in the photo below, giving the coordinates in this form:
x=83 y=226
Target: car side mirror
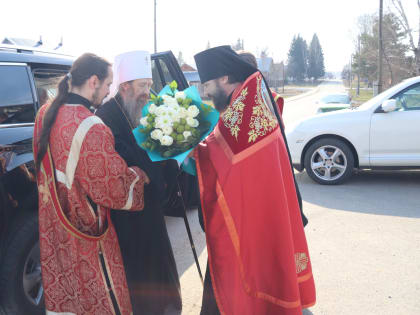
x=389 y=106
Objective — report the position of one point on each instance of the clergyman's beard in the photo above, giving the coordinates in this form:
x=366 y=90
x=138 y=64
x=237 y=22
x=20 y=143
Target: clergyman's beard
x=220 y=99
x=133 y=108
x=96 y=102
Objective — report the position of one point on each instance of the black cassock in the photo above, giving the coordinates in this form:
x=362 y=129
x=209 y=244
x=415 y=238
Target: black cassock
x=149 y=262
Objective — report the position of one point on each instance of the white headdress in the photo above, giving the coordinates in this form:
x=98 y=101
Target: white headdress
x=130 y=66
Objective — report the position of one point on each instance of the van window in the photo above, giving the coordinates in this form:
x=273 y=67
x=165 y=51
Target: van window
x=166 y=73
x=46 y=82
x=16 y=100
x=157 y=81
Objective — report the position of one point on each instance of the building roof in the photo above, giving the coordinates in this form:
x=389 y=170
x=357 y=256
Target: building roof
x=192 y=76
x=187 y=67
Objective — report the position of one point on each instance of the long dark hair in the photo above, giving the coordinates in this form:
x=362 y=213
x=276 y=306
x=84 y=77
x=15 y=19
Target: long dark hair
x=83 y=68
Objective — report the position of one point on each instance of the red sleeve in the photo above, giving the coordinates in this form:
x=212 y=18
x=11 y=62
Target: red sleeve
x=105 y=176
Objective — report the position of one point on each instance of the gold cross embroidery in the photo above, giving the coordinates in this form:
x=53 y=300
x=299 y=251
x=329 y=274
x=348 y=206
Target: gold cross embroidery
x=301 y=262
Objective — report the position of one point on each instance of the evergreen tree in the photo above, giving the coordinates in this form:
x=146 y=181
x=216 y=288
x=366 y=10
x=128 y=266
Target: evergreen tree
x=316 y=68
x=297 y=59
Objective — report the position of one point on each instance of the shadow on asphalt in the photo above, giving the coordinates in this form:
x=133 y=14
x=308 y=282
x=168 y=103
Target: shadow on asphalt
x=180 y=243
x=391 y=193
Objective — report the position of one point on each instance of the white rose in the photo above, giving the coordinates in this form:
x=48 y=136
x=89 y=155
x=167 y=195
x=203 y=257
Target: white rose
x=171 y=102
x=167 y=130
x=156 y=134
x=143 y=121
x=152 y=108
x=172 y=112
x=163 y=121
x=160 y=110
x=183 y=113
x=166 y=140
x=176 y=118
x=187 y=134
x=192 y=122
x=193 y=111
x=180 y=95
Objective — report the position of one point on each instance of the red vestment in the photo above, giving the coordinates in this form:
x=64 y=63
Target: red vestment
x=80 y=179
x=258 y=256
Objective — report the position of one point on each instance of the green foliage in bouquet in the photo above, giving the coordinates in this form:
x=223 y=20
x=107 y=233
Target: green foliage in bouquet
x=173 y=124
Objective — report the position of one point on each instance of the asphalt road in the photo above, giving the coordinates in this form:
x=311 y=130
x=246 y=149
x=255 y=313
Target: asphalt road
x=363 y=236
x=304 y=105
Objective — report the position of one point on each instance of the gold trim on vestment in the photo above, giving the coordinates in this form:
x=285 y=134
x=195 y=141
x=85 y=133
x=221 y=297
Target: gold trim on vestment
x=305 y=277
x=236 y=158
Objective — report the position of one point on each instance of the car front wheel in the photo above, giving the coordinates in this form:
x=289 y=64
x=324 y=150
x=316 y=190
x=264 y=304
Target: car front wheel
x=329 y=161
x=21 y=289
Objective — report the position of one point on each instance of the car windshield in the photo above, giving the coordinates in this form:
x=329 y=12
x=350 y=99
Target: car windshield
x=336 y=99
x=391 y=91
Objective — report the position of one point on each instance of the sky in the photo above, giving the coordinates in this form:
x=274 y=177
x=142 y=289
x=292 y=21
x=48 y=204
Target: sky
x=108 y=28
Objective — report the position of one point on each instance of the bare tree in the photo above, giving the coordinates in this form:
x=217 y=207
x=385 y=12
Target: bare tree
x=402 y=18
x=264 y=53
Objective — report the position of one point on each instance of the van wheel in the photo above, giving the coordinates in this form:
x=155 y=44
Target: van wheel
x=21 y=290
x=329 y=161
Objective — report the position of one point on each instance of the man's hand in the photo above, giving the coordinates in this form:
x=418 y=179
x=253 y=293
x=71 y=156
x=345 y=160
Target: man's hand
x=146 y=178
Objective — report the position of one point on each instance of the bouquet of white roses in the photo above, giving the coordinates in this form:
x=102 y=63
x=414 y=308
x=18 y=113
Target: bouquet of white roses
x=174 y=122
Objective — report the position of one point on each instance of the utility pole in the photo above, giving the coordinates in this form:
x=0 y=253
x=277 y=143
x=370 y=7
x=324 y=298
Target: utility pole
x=380 y=47
x=155 y=28
x=350 y=74
x=358 y=68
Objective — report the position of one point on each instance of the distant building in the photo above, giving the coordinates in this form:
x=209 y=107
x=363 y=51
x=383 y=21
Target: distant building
x=192 y=77
x=187 y=67
x=273 y=72
x=194 y=80
x=265 y=65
